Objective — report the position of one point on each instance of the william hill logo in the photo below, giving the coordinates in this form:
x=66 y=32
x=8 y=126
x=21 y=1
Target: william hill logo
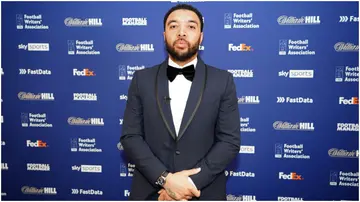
x=85 y=122
x=39 y=96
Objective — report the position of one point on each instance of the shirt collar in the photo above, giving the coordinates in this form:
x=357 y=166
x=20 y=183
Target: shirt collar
x=172 y=63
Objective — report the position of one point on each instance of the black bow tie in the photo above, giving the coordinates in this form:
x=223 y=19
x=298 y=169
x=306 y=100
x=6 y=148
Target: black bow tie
x=187 y=71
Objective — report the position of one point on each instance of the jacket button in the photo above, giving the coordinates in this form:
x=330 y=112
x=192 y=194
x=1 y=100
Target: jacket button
x=177 y=152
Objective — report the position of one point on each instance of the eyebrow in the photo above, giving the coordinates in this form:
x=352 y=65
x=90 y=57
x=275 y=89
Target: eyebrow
x=171 y=21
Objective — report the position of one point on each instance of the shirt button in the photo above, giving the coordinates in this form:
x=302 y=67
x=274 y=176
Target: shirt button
x=177 y=152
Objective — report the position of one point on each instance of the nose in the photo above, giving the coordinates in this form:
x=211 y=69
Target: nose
x=182 y=31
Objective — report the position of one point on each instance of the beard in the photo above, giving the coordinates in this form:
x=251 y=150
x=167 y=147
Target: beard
x=191 y=51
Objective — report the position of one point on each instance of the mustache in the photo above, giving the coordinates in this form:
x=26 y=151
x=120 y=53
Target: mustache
x=181 y=39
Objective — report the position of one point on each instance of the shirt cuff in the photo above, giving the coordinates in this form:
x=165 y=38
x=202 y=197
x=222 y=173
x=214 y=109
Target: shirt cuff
x=192 y=182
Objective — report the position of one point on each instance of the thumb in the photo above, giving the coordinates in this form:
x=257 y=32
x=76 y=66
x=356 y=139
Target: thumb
x=192 y=171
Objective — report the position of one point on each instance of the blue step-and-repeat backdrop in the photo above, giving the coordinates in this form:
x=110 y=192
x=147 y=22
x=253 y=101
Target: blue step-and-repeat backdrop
x=67 y=66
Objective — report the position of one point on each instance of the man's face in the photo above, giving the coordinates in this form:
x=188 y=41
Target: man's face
x=182 y=34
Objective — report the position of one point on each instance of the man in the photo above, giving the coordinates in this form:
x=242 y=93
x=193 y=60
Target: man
x=181 y=123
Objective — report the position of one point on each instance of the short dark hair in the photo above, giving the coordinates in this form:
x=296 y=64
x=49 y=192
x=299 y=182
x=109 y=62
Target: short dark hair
x=185 y=7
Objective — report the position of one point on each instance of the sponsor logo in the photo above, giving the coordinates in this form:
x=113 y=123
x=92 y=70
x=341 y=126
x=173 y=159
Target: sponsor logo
x=38 y=167
x=3 y=194
x=344 y=179
x=244 y=125
x=241 y=47
x=122 y=47
x=123 y=97
x=87 y=168
x=35 y=120
x=231 y=197
x=3 y=143
x=239 y=21
x=83 y=72
x=297 y=100
x=134 y=21
x=239 y=174
x=126 y=193
x=242 y=73
x=345 y=18
x=86 y=192
x=34 y=22
x=290 y=151
x=84 y=145
x=351 y=101
x=34 y=72
x=39 y=191
x=4 y=166
x=302 y=126
x=249 y=100
x=121 y=121
x=126 y=72
x=291 y=176
x=33 y=97
x=303 y=20
x=85 y=47
x=347 y=74
x=289 y=198
x=347 y=127
x=87 y=22
x=346 y=47
x=37 y=143
x=247 y=149
x=35 y=47
x=298 y=74
x=85 y=122
x=127 y=170
x=343 y=153
x=295 y=47
x=84 y=97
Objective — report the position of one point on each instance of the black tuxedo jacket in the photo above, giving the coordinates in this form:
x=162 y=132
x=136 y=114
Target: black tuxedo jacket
x=209 y=135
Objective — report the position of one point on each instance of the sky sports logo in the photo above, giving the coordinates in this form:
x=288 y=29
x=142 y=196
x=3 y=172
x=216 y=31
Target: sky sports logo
x=87 y=168
x=34 y=47
x=247 y=149
x=300 y=74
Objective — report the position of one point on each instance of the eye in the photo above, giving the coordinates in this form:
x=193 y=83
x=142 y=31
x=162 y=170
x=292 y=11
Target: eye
x=192 y=27
x=172 y=26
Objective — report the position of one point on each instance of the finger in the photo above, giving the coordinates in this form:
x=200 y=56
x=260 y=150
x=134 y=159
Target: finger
x=189 y=197
x=192 y=171
x=195 y=192
x=183 y=200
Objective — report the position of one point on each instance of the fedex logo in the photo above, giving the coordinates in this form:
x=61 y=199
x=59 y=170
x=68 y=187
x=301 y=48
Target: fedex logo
x=291 y=176
x=84 y=72
x=351 y=101
x=241 y=47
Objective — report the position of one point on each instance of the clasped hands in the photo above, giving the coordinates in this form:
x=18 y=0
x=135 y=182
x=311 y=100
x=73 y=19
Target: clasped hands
x=178 y=187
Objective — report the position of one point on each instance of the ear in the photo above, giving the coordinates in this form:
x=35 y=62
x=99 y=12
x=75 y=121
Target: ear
x=201 y=37
x=164 y=36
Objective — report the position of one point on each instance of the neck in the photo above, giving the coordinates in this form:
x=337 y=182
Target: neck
x=182 y=63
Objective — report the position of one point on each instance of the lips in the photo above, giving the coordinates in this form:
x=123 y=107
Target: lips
x=181 y=43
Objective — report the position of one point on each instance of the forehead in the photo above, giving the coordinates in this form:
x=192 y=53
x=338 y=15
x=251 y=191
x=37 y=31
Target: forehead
x=183 y=16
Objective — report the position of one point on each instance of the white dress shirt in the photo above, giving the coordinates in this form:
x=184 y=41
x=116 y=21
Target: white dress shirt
x=179 y=90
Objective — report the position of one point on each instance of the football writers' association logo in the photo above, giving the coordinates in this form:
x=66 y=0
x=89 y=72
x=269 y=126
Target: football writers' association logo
x=278 y=150
x=19 y=21
x=282 y=47
x=333 y=178
x=227 y=20
x=71 y=47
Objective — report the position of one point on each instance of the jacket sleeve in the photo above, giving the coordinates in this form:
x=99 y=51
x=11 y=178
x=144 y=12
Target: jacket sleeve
x=227 y=144
x=132 y=138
